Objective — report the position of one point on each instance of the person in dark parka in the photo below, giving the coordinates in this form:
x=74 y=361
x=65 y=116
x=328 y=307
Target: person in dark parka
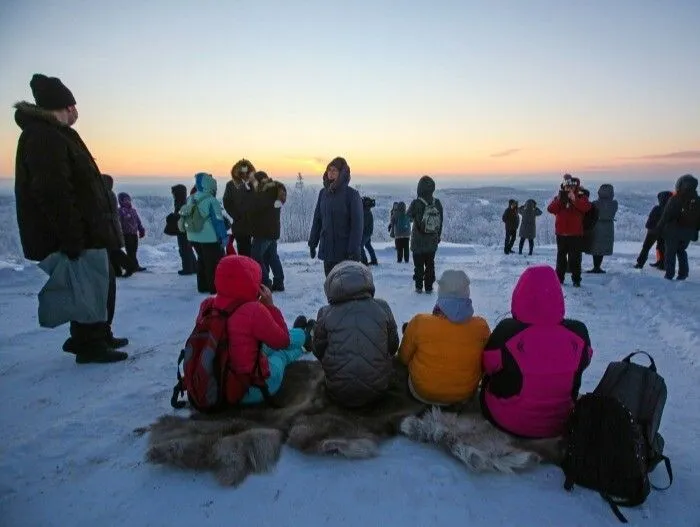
x=120 y=262
x=511 y=219
x=528 y=224
x=238 y=204
x=603 y=233
x=679 y=225
x=63 y=204
x=338 y=218
x=265 y=227
x=367 y=231
x=652 y=234
x=187 y=256
x=425 y=233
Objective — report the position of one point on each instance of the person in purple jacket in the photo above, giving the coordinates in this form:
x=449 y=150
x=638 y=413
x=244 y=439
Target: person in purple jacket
x=338 y=219
x=132 y=228
x=533 y=362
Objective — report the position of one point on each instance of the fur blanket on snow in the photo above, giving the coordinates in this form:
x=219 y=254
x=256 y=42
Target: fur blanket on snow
x=249 y=439
x=478 y=444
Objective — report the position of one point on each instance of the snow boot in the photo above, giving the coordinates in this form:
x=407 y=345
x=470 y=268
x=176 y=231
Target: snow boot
x=277 y=287
x=300 y=322
x=309 y=331
x=98 y=353
x=111 y=342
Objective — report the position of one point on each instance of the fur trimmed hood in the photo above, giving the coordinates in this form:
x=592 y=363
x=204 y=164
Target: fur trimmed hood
x=26 y=112
x=261 y=182
x=241 y=176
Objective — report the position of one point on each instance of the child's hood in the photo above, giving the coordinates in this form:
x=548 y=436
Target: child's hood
x=349 y=281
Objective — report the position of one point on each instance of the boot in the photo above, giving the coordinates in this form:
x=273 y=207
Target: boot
x=111 y=342
x=639 y=265
x=117 y=342
x=98 y=353
x=300 y=322
x=277 y=287
x=373 y=262
x=309 y=330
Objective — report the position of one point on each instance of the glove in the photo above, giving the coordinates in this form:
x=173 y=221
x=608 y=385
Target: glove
x=312 y=252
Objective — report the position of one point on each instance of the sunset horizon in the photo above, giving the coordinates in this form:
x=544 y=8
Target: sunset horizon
x=462 y=90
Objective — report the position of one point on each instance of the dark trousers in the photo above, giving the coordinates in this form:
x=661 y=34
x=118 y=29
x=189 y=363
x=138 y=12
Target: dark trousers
x=120 y=262
x=402 y=249
x=189 y=260
x=569 y=257
x=648 y=243
x=131 y=244
x=530 y=242
x=676 y=249
x=244 y=244
x=328 y=266
x=275 y=265
x=367 y=244
x=264 y=251
x=510 y=241
x=597 y=261
x=85 y=335
x=208 y=256
x=424 y=270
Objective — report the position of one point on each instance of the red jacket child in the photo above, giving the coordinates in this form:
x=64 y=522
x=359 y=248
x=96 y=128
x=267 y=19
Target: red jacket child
x=238 y=280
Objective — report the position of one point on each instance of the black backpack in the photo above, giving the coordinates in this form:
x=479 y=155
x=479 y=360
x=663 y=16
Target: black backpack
x=613 y=441
x=690 y=212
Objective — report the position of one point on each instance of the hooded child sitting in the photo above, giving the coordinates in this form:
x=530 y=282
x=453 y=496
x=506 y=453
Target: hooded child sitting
x=355 y=337
x=255 y=321
x=443 y=350
x=534 y=361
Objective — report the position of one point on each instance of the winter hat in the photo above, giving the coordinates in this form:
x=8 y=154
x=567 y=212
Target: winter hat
x=50 y=93
x=454 y=296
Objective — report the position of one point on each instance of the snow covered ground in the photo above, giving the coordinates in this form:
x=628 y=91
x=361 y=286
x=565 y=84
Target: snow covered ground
x=68 y=454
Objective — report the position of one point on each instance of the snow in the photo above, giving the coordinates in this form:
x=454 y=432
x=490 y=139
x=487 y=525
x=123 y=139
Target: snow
x=68 y=454
x=70 y=457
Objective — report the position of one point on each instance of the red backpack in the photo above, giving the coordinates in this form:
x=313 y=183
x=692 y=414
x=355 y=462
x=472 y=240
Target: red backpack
x=207 y=377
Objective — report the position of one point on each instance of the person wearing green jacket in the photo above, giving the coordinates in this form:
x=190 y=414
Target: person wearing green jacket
x=202 y=219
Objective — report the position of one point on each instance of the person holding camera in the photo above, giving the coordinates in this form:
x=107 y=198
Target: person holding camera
x=569 y=207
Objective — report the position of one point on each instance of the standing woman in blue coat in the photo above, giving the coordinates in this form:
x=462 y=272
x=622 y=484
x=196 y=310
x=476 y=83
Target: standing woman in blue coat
x=338 y=222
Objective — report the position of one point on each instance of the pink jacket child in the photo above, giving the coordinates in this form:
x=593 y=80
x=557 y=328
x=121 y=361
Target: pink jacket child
x=533 y=362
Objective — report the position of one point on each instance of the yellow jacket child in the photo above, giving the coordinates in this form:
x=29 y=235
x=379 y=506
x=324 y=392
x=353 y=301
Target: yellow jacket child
x=443 y=350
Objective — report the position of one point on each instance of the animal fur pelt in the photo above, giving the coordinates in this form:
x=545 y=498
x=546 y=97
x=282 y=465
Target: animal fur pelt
x=477 y=443
x=248 y=439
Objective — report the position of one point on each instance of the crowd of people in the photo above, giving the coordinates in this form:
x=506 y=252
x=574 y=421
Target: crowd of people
x=65 y=204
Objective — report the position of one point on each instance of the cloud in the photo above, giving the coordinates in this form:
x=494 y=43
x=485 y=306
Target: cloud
x=506 y=153
x=687 y=155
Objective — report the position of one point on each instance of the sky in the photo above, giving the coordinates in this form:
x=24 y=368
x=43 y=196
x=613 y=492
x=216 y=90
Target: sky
x=400 y=88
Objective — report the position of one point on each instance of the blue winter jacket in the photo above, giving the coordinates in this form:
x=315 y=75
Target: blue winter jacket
x=214 y=229
x=338 y=220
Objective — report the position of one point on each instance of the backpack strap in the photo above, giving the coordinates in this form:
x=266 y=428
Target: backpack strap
x=652 y=366
x=669 y=470
x=257 y=371
x=179 y=389
x=615 y=506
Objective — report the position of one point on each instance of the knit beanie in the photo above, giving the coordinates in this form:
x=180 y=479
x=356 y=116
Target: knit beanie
x=50 y=93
